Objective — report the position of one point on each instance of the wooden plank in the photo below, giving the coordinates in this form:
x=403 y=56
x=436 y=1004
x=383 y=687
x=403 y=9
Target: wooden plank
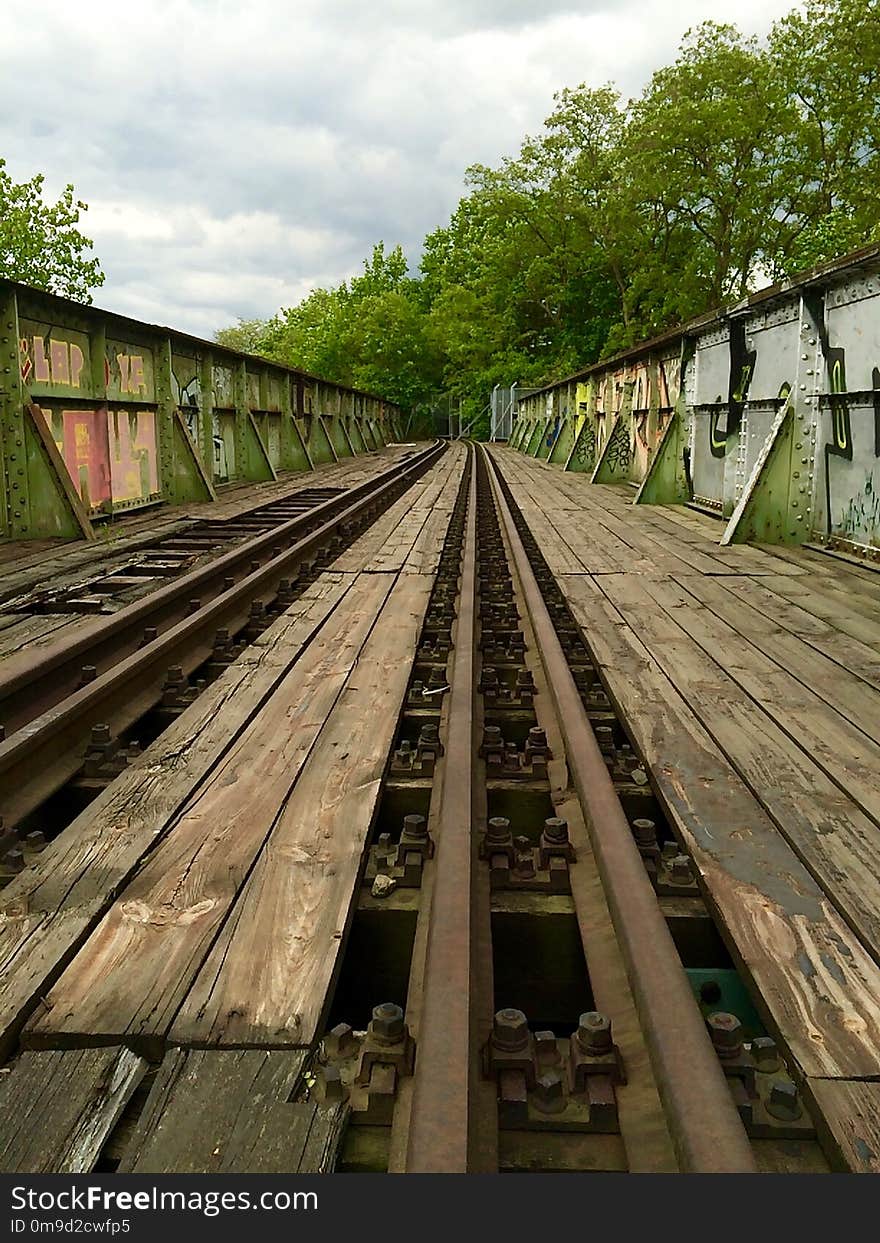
x=820 y=988
x=258 y=987
x=846 y=693
x=859 y=658
x=57 y=1108
x=135 y=969
x=48 y=909
x=849 y=1119
x=229 y=1112
x=829 y=834
x=809 y=595
x=32 y=633
x=847 y=755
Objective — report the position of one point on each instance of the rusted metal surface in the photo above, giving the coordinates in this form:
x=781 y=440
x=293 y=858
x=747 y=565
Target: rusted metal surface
x=440 y=1122
x=40 y=757
x=705 y=1127
x=28 y=690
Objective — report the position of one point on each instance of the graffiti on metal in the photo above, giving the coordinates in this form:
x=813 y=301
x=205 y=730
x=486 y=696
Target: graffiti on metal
x=51 y=357
x=110 y=454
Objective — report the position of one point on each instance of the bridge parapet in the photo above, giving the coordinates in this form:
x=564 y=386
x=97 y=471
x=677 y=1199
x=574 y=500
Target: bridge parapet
x=767 y=412
x=100 y=413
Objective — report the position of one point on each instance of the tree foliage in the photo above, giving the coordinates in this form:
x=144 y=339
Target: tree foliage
x=740 y=162
x=40 y=244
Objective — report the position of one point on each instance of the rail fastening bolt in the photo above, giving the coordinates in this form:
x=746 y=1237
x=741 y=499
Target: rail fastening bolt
x=594 y=1033
x=14 y=860
x=765 y=1054
x=680 y=870
x=510 y=1031
x=100 y=734
x=784 y=1102
x=645 y=832
x=415 y=828
x=727 y=1034
x=387 y=1025
x=498 y=830
x=549 y=1093
x=556 y=830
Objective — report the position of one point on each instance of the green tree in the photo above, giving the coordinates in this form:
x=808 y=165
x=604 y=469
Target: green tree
x=40 y=244
x=828 y=59
x=248 y=336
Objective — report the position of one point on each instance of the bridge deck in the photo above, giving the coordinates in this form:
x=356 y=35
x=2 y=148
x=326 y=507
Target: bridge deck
x=750 y=680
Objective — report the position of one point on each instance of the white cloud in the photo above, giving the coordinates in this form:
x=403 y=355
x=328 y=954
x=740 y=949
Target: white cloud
x=235 y=156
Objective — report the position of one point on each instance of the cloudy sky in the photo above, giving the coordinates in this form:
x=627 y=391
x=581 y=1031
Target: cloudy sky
x=236 y=155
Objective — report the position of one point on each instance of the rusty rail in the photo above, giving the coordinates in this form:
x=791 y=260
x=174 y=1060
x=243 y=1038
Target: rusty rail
x=705 y=1127
x=440 y=1122
x=48 y=751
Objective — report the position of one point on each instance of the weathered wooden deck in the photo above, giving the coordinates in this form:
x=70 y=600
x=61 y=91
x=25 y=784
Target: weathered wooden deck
x=749 y=678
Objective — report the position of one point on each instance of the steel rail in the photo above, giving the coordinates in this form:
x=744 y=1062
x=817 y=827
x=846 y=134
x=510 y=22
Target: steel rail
x=47 y=752
x=28 y=688
x=705 y=1127
x=440 y=1120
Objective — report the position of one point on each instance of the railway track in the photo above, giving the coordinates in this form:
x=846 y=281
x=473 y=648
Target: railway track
x=67 y=712
x=411 y=901
x=547 y=1021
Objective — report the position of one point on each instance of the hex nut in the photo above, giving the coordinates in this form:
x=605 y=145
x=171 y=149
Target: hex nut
x=594 y=1033
x=510 y=1031
x=387 y=1025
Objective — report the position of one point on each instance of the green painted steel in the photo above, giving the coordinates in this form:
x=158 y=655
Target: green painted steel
x=100 y=413
x=615 y=459
x=563 y=444
x=771 y=510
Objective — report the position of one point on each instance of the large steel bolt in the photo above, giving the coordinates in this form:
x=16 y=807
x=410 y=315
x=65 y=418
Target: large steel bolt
x=13 y=860
x=549 y=1093
x=429 y=737
x=727 y=1034
x=594 y=1033
x=510 y=1031
x=605 y=739
x=645 y=832
x=546 y=1048
x=100 y=734
x=492 y=740
x=387 y=1026
x=415 y=829
x=339 y=1040
x=556 y=830
x=784 y=1102
x=765 y=1054
x=498 y=831
x=680 y=871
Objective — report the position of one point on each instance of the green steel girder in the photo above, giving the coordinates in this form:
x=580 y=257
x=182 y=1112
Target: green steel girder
x=252 y=461
x=582 y=456
x=37 y=493
x=378 y=433
x=615 y=459
x=294 y=452
x=182 y=474
x=564 y=443
x=525 y=433
x=666 y=479
x=356 y=435
x=771 y=508
x=319 y=444
x=530 y=447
